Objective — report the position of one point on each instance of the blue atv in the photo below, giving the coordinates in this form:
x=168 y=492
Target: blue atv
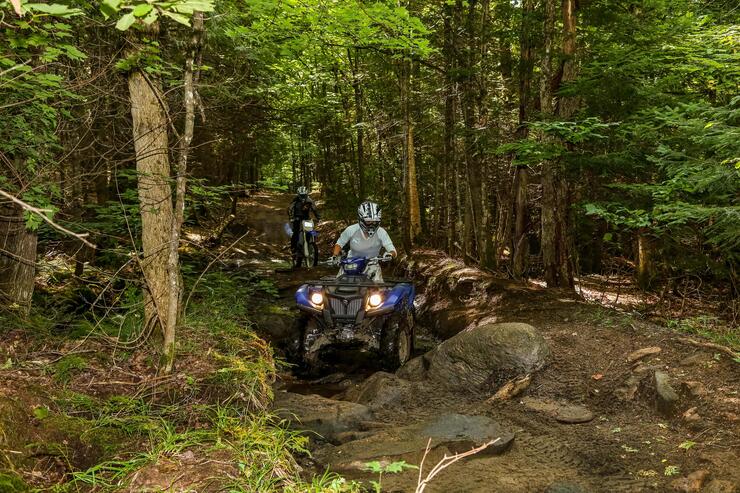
x=352 y=314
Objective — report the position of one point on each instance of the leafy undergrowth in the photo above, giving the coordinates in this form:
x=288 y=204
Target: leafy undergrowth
x=79 y=413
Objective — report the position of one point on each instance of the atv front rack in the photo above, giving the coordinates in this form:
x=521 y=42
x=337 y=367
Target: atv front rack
x=361 y=283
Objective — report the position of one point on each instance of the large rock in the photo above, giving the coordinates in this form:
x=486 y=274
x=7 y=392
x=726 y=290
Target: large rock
x=331 y=419
x=491 y=353
x=460 y=433
x=448 y=433
x=380 y=390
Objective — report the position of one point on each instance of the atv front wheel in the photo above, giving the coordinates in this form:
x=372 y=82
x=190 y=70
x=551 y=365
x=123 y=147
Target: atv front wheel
x=308 y=361
x=397 y=342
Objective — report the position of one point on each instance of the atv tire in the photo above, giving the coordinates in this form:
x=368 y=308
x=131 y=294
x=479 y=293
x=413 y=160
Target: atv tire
x=308 y=363
x=397 y=341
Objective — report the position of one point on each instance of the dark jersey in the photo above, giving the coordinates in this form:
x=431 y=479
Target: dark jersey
x=302 y=208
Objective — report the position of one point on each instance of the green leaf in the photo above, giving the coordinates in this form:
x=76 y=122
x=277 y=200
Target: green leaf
x=190 y=6
x=374 y=466
x=687 y=445
x=53 y=9
x=182 y=19
x=126 y=21
x=142 y=9
x=109 y=7
x=399 y=466
x=41 y=412
x=151 y=17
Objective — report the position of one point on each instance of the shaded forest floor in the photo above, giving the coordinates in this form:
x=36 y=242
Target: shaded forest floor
x=77 y=413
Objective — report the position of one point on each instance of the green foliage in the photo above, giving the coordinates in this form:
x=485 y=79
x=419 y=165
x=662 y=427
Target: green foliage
x=390 y=468
x=711 y=327
x=67 y=367
x=12 y=483
x=34 y=97
x=149 y=12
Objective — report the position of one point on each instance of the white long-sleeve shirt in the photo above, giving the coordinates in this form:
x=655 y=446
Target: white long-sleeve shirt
x=362 y=246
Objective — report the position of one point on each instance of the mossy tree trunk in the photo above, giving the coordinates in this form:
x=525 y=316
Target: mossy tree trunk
x=17 y=259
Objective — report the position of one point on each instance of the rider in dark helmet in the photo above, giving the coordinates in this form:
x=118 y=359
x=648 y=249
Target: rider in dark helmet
x=300 y=210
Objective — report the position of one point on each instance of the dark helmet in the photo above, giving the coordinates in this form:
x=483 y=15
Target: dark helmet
x=302 y=192
x=369 y=215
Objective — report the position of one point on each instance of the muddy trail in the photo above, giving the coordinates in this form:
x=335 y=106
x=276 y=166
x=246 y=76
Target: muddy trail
x=598 y=400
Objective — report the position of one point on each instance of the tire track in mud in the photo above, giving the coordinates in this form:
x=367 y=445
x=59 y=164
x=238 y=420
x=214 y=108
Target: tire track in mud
x=544 y=452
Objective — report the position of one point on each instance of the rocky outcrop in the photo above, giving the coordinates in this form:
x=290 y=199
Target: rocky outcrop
x=328 y=418
x=488 y=354
x=380 y=390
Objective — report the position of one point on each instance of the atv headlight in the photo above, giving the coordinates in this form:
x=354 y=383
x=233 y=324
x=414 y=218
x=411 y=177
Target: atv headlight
x=375 y=300
x=317 y=298
x=351 y=267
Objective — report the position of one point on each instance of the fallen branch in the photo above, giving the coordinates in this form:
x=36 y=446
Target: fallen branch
x=445 y=462
x=510 y=389
x=217 y=235
x=42 y=215
x=711 y=345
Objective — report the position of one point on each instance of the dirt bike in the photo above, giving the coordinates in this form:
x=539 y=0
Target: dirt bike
x=307 y=249
x=352 y=313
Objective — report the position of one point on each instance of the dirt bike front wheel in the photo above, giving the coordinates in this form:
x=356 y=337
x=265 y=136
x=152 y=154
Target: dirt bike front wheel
x=312 y=259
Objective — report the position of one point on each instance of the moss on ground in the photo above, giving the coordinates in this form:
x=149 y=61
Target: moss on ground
x=12 y=483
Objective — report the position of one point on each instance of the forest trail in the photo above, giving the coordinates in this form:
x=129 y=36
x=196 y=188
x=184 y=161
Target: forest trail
x=626 y=446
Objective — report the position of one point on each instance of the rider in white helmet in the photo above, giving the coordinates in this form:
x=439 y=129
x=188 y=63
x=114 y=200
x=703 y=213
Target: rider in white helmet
x=366 y=239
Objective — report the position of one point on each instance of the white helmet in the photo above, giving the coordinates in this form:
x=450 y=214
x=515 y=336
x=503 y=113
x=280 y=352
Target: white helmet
x=369 y=217
x=302 y=192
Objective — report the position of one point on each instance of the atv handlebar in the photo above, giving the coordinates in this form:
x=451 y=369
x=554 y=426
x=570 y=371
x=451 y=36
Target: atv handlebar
x=370 y=261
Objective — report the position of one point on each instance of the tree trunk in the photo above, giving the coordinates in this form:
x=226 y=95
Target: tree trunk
x=359 y=121
x=410 y=180
x=173 y=261
x=449 y=160
x=520 y=243
x=645 y=264
x=17 y=259
x=556 y=248
x=155 y=195
x=521 y=177
x=473 y=173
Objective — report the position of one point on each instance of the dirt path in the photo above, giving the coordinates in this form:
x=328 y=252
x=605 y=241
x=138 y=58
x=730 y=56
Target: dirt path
x=628 y=445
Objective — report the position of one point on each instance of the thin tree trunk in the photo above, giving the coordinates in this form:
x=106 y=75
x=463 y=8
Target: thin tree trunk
x=173 y=263
x=359 y=121
x=449 y=159
x=520 y=243
x=645 y=264
x=155 y=195
x=410 y=180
